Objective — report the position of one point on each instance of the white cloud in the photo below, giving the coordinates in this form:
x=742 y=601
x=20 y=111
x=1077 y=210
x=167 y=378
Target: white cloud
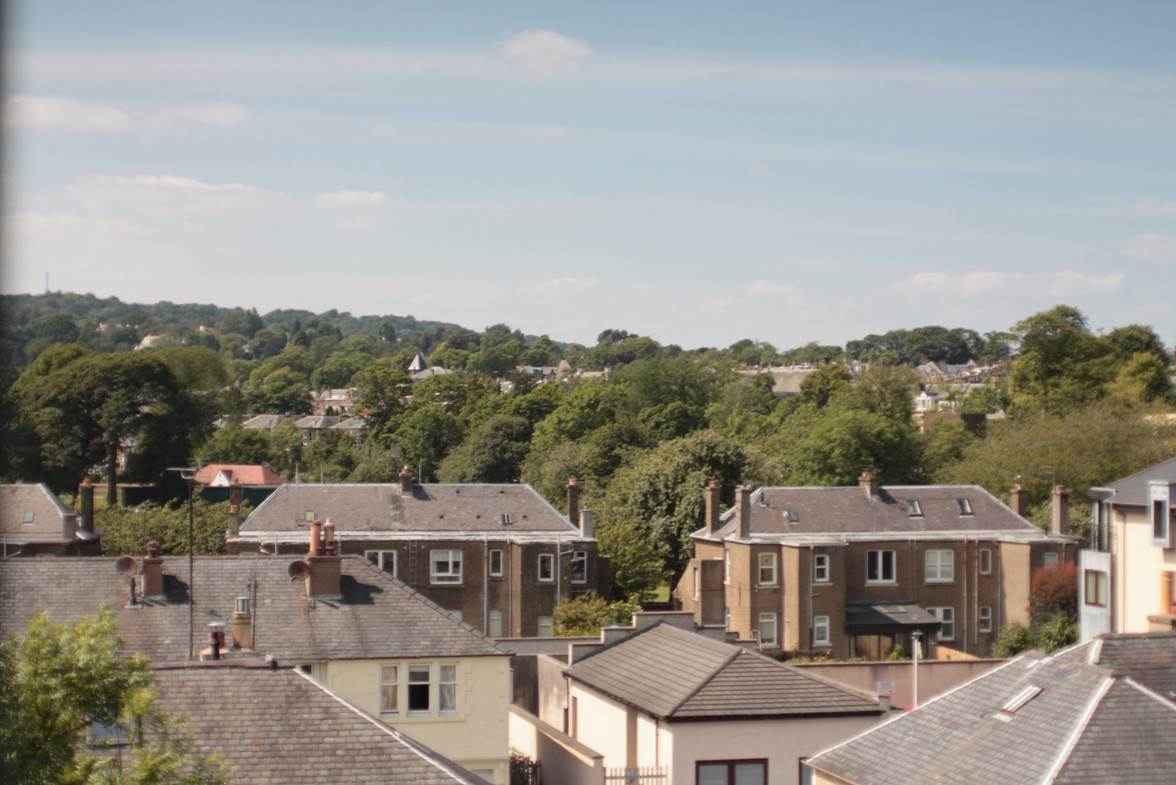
x=217 y=115
x=163 y=194
x=48 y=113
x=1151 y=247
x=545 y=53
x=352 y=199
x=979 y=283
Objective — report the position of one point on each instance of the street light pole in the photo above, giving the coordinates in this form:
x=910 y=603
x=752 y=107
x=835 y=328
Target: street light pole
x=915 y=636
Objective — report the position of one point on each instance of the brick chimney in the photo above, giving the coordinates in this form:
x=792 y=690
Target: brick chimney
x=587 y=524
x=234 y=519
x=405 y=481
x=711 y=495
x=1017 y=500
x=573 y=500
x=242 y=624
x=1059 y=519
x=86 y=499
x=323 y=566
x=869 y=483
x=152 y=566
x=743 y=510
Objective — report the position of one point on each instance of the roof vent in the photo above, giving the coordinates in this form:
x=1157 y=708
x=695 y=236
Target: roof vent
x=1020 y=699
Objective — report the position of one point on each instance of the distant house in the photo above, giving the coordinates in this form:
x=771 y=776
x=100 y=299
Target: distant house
x=419 y=369
x=222 y=475
x=280 y=725
x=1128 y=575
x=264 y=422
x=352 y=627
x=1100 y=712
x=34 y=522
x=337 y=401
x=668 y=702
x=312 y=426
x=926 y=401
x=496 y=555
x=355 y=427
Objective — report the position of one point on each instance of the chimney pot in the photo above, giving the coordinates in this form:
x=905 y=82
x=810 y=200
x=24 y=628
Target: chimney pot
x=405 y=480
x=242 y=624
x=152 y=567
x=1059 y=522
x=743 y=510
x=316 y=528
x=329 y=538
x=573 y=500
x=869 y=483
x=1017 y=499
x=711 y=494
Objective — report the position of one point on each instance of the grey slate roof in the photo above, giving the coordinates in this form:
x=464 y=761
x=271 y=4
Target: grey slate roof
x=1133 y=489
x=849 y=510
x=51 y=520
x=1090 y=723
x=676 y=674
x=316 y=422
x=264 y=421
x=280 y=726
x=377 y=617
x=430 y=508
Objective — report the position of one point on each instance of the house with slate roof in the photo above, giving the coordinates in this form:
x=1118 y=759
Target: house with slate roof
x=1128 y=575
x=34 y=522
x=278 y=724
x=854 y=571
x=1099 y=712
x=351 y=626
x=669 y=702
x=497 y=556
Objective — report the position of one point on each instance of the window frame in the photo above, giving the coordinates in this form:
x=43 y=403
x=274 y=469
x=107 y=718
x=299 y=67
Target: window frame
x=985 y=560
x=827 y=640
x=539 y=626
x=490 y=623
x=1101 y=587
x=385 y=683
x=495 y=573
x=821 y=564
x=581 y=558
x=442 y=684
x=1160 y=515
x=443 y=579
x=965 y=507
x=1049 y=558
x=29 y=517
x=937 y=612
x=882 y=581
x=381 y=561
x=939 y=564
x=428 y=683
x=550 y=559
x=774 y=566
x=772 y=619
x=696 y=574
x=730 y=763
x=726 y=566
x=984 y=620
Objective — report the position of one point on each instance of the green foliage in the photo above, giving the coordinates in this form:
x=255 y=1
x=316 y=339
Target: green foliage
x=585 y=614
x=234 y=444
x=493 y=453
x=1012 y=640
x=945 y=444
x=426 y=434
x=981 y=400
x=1050 y=635
x=127 y=530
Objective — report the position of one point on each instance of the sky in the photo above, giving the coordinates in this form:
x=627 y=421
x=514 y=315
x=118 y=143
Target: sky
x=697 y=172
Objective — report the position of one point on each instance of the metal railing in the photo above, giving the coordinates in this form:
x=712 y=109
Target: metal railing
x=640 y=775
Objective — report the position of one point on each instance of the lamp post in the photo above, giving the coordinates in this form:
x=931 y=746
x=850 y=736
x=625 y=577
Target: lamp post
x=188 y=475
x=915 y=636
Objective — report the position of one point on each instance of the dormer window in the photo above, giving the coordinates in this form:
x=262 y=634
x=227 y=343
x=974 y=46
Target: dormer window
x=914 y=509
x=965 y=506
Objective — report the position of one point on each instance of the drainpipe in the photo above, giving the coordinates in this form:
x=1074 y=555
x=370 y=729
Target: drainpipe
x=485 y=584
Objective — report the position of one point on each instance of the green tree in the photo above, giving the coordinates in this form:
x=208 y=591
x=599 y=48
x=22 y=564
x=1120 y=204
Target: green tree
x=944 y=445
x=129 y=529
x=1143 y=377
x=819 y=387
x=425 y=435
x=234 y=444
x=842 y=442
x=380 y=395
x=584 y=614
x=282 y=390
x=984 y=399
x=1062 y=365
x=492 y=453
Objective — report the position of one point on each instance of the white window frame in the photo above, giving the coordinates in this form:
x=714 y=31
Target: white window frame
x=941 y=613
x=549 y=625
x=1049 y=558
x=821 y=623
x=770 y=565
x=450 y=577
x=1158 y=513
x=495 y=573
x=381 y=561
x=697 y=574
x=935 y=568
x=985 y=561
x=882 y=581
x=726 y=566
x=428 y=670
x=447 y=677
x=820 y=568
x=494 y=620
x=550 y=559
x=579 y=557
x=394 y=682
x=30 y=516
x=769 y=619
x=984 y=619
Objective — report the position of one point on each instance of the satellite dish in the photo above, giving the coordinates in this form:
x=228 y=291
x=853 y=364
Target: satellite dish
x=298 y=569
x=127 y=566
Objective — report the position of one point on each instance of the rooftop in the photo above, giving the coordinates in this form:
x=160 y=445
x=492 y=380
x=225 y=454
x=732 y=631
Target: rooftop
x=1133 y=489
x=281 y=726
x=677 y=674
x=32 y=513
x=377 y=616
x=241 y=473
x=1085 y=715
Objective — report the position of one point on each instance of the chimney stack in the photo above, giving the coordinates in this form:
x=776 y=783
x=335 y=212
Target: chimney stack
x=234 y=521
x=1017 y=500
x=152 y=566
x=573 y=501
x=711 y=494
x=587 y=527
x=216 y=639
x=405 y=481
x=323 y=568
x=743 y=510
x=1059 y=520
x=242 y=624
x=86 y=498
x=869 y=483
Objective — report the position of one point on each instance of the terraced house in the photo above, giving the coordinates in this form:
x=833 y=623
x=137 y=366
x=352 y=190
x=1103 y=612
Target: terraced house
x=498 y=557
x=854 y=571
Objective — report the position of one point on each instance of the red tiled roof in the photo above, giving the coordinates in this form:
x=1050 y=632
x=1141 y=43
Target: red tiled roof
x=242 y=473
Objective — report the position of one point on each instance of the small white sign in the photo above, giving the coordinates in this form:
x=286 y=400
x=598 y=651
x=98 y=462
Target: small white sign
x=884 y=688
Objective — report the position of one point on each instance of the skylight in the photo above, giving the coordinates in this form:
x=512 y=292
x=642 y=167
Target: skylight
x=1020 y=699
x=914 y=509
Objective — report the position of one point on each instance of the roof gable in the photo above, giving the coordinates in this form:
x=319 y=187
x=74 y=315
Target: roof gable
x=30 y=511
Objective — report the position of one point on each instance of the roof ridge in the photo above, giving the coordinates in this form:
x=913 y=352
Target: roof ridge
x=826 y=680
x=1141 y=471
x=698 y=688
x=1079 y=730
x=609 y=646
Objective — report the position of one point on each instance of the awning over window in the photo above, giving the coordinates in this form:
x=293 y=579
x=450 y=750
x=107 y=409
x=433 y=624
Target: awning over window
x=888 y=618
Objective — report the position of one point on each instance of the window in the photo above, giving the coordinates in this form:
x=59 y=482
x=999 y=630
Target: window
x=1020 y=699
x=767 y=629
x=821 y=568
x=726 y=566
x=310 y=516
x=496 y=564
x=546 y=626
x=947 y=616
x=447 y=689
x=880 y=567
x=385 y=560
x=984 y=618
x=938 y=566
x=390 y=689
x=445 y=566
x=726 y=618
x=821 y=631
x=1049 y=558
x=1095 y=584
x=914 y=509
x=697 y=587
x=29 y=517
x=546 y=568
x=734 y=772
x=495 y=630
x=985 y=561
x=1159 y=516
x=504 y=519
x=418 y=689
x=767 y=569
x=579 y=566
x=965 y=506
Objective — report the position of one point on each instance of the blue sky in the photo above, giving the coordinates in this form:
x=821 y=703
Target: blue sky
x=698 y=172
